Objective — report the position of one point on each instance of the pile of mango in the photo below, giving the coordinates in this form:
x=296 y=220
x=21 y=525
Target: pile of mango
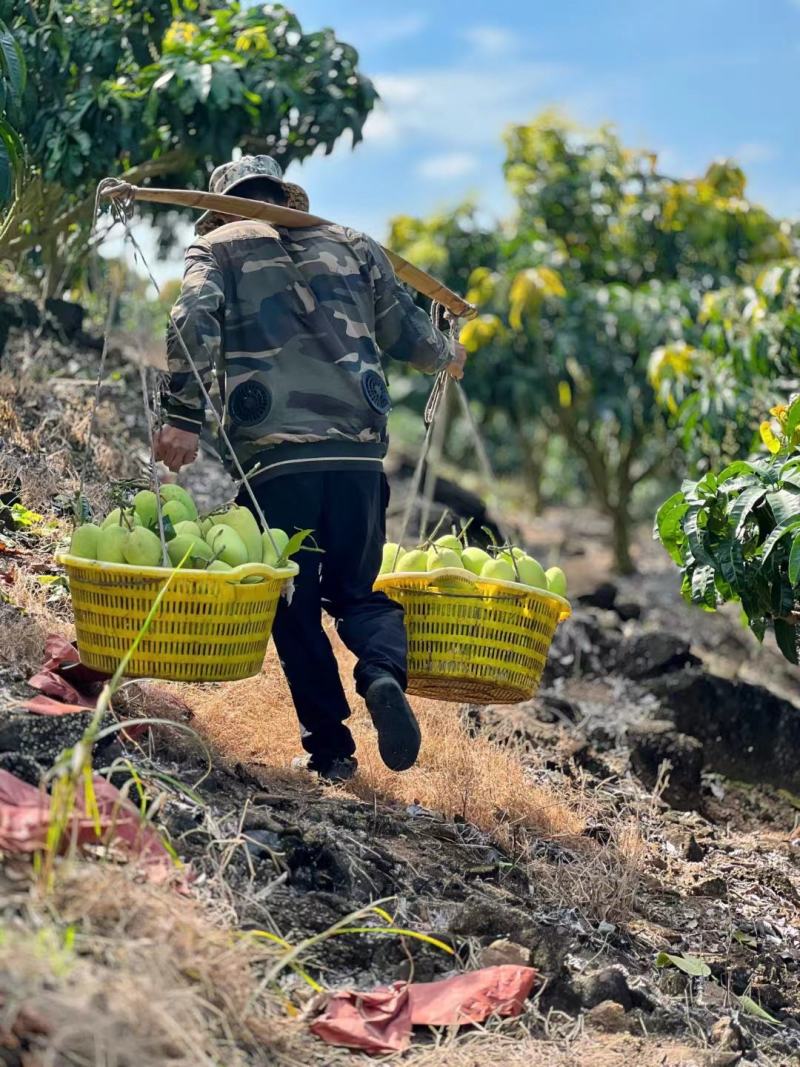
x=219 y=541
x=504 y=563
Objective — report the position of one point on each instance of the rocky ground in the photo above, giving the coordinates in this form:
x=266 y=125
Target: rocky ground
x=646 y=802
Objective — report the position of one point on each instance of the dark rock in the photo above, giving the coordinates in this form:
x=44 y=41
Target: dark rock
x=609 y=983
x=711 y=887
x=583 y=645
x=603 y=597
x=628 y=609
x=261 y=843
x=649 y=654
x=67 y=316
x=695 y=852
x=748 y=733
x=43 y=737
x=22 y=766
x=654 y=743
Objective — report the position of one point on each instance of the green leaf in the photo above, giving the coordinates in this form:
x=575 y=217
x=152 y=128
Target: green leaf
x=777 y=535
x=750 y=1006
x=695 y=535
x=731 y=562
x=12 y=62
x=703 y=591
x=745 y=939
x=690 y=965
x=786 y=636
x=784 y=505
x=793 y=417
x=740 y=466
x=743 y=505
x=668 y=524
x=295 y=543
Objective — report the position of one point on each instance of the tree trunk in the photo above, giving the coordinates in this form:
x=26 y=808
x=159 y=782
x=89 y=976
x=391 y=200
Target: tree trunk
x=532 y=468
x=621 y=538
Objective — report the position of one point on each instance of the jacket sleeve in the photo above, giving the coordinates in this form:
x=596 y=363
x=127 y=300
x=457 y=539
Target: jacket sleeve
x=198 y=317
x=403 y=330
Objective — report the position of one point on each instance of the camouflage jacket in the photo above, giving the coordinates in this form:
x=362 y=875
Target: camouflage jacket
x=291 y=326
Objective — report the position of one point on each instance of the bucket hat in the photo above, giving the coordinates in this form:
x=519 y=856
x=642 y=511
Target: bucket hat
x=229 y=176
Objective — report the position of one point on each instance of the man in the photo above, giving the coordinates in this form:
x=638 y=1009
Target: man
x=292 y=323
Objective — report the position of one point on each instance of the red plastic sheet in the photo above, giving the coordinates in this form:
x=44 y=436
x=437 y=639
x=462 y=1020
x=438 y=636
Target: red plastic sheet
x=25 y=818
x=67 y=686
x=382 y=1019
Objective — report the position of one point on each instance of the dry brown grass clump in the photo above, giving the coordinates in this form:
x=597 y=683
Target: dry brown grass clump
x=127 y=974
x=253 y=722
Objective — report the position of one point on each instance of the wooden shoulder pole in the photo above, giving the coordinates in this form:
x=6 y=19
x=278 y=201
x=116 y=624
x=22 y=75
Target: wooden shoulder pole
x=238 y=207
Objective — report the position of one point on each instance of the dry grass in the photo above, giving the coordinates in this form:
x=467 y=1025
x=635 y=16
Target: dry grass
x=149 y=981
x=589 y=1050
x=253 y=722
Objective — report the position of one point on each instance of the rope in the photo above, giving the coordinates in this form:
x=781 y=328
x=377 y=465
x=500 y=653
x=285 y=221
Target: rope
x=153 y=467
x=434 y=435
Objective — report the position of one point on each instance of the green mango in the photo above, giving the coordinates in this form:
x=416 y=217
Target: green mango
x=391 y=553
x=474 y=558
x=244 y=523
x=206 y=524
x=146 y=506
x=449 y=541
x=219 y=565
x=442 y=557
x=84 y=541
x=171 y=492
x=199 y=550
x=109 y=543
x=281 y=539
x=188 y=528
x=415 y=560
x=175 y=511
x=556 y=581
x=227 y=545
x=127 y=519
x=531 y=573
x=499 y=570
x=142 y=548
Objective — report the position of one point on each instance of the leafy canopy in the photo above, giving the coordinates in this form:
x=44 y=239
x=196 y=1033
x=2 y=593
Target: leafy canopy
x=162 y=90
x=604 y=262
x=736 y=535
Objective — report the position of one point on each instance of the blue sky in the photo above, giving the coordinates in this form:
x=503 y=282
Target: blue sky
x=691 y=79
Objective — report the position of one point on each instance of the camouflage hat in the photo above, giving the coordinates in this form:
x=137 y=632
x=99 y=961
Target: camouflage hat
x=227 y=177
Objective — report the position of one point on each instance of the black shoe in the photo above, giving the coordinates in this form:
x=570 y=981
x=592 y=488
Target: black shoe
x=398 y=731
x=335 y=771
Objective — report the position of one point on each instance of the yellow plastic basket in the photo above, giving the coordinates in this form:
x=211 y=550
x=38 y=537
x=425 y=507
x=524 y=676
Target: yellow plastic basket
x=471 y=639
x=210 y=627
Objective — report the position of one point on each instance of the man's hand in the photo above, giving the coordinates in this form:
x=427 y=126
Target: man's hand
x=455 y=368
x=175 y=447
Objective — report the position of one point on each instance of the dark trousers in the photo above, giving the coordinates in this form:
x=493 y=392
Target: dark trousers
x=347 y=512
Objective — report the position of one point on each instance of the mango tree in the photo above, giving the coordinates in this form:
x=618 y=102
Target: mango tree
x=735 y=534
x=605 y=261
x=154 y=91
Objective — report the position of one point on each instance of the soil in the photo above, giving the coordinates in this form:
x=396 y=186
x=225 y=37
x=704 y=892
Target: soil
x=671 y=735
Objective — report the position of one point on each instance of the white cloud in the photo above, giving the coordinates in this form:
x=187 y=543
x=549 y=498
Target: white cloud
x=466 y=106
x=447 y=166
x=755 y=151
x=491 y=40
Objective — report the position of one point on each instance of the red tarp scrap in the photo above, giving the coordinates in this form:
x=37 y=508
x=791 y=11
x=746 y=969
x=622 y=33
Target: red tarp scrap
x=68 y=685
x=25 y=817
x=47 y=706
x=382 y=1019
